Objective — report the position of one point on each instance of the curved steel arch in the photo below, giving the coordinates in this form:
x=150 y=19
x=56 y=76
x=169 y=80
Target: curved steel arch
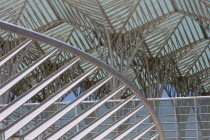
x=65 y=47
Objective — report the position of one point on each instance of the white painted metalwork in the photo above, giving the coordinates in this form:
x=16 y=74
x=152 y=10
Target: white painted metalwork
x=65 y=47
x=12 y=53
x=49 y=121
x=94 y=124
x=25 y=97
x=163 y=47
x=11 y=82
x=83 y=115
x=40 y=108
x=153 y=137
x=138 y=136
x=127 y=131
x=165 y=112
x=117 y=123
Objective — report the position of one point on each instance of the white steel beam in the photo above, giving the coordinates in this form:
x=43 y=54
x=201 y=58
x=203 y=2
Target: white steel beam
x=13 y=128
x=68 y=48
x=131 y=128
x=117 y=123
x=98 y=121
x=140 y=134
x=11 y=82
x=13 y=52
x=33 y=91
x=64 y=129
x=33 y=133
x=154 y=136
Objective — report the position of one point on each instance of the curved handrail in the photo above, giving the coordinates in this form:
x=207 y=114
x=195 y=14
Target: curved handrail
x=68 y=48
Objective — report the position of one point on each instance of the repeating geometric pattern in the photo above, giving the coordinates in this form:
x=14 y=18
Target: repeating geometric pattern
x=13 y=123
x=161 y=46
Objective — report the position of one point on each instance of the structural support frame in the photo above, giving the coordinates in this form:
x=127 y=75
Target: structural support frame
x=68 y=48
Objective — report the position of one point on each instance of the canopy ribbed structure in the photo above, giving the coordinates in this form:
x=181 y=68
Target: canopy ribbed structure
x=159 y=45
x=9 y=128
x=99 y=50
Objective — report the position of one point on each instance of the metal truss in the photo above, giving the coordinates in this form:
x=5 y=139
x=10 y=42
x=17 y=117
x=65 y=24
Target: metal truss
x=10 y=130
x=161 y=46
x=148 y=41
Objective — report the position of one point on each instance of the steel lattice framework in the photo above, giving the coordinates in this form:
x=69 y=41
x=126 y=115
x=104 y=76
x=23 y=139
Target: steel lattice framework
x=6 y=111
x=161 y=46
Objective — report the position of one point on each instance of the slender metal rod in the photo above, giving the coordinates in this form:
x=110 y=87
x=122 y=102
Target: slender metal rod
x=129 y=129
x=98 y=121
x=16 y=78
x=26 y=118
x=117 y=123
x=68 y=48
x=62 y=130
x=33 y=133
x=6 y=111
x=140 y=134
x=153 y=137
x=13 y=52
